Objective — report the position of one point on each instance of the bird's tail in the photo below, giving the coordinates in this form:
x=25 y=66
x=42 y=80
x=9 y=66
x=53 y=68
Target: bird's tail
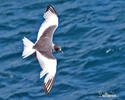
x=28 y=47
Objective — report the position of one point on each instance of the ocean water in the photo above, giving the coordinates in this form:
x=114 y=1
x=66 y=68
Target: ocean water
x=92 y=36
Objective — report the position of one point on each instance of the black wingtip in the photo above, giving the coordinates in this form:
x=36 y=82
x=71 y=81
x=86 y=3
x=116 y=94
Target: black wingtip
x=51 y=8
x=48 y=86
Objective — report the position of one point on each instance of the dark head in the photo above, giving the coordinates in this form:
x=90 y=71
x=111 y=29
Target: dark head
x=57 y=48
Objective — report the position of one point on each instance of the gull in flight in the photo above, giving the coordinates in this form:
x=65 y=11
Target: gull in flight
x=44 y=47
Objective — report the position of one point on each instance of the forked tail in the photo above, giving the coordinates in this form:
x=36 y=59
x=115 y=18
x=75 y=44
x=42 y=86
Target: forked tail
x=28 y=47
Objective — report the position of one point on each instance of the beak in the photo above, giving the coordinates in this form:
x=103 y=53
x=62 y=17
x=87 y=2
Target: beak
x=61 y=50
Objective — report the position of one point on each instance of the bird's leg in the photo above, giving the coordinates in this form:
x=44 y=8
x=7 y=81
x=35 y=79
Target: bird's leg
x=34 y=54
x=35 y=58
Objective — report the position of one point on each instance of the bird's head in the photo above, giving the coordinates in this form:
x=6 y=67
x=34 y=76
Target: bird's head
x=57 y=48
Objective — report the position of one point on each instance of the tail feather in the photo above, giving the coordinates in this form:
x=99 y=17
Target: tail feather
x=28 y=47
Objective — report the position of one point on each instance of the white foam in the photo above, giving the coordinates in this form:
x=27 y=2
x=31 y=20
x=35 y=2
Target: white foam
x=107 y=95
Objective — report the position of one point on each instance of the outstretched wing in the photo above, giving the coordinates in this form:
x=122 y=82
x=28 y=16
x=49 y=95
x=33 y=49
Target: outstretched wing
x=45 y=35
x=48 y=83
x=49 y=68
x=44 y=44
x=51 y=19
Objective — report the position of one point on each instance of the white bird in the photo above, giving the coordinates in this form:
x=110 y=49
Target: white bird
x=44 y=47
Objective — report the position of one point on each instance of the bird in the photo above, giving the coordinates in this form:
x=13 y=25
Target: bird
x=44 y=48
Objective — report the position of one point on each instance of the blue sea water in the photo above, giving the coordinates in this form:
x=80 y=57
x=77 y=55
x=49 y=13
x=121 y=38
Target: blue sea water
x=92 y=36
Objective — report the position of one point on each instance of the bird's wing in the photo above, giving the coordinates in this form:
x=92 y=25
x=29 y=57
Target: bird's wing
x=49 y=67
x=51 y=19
x=44 y=44
x=48 y=83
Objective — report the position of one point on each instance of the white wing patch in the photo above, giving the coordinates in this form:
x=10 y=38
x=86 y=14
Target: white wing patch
x=49 y=68
x=50 y=19
x=47 y=64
